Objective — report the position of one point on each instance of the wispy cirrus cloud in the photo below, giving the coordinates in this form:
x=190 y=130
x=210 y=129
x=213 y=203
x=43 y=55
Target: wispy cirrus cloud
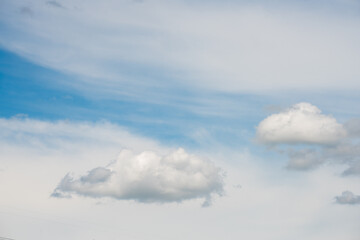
x=217 y=47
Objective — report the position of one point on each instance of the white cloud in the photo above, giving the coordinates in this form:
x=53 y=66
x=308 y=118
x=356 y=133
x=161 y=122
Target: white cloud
x=149 y=177
x=302 y=123
x=348 y=197
x=35 y=155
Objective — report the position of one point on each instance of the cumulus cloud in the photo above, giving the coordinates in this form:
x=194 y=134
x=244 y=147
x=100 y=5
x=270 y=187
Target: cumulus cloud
x=312 y=138
x=302 y=123
x=149 y=177
x=348 y=197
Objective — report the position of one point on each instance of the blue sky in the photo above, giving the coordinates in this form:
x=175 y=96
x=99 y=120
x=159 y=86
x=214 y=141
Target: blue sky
x=234 y=119
x=39 y=92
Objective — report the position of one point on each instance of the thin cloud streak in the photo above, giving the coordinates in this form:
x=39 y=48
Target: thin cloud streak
x=161 y=44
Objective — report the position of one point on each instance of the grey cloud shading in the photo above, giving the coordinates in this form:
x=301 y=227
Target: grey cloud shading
x=345 y=153
x=207 y=202
x=148 y=177
x=304 y=159
x=57 y=194
x=354 y=169
x=353 y=127
x=27 y=11
x=54 y=4
x=237 y=186
x=348 y=197
x=97 y=175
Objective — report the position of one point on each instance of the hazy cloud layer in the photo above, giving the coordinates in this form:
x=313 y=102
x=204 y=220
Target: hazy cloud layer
x=303 y=159
x=302 y=123
x=353 y=127
x=238 y=46
x=347 y=152
x=348 y=197
x=149 y=177
x=35 y=155
x=52 y=134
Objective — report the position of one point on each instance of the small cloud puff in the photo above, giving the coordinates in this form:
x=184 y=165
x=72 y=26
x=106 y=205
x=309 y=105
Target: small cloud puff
x=302 y=123
x=148 y=177
x=348 y=197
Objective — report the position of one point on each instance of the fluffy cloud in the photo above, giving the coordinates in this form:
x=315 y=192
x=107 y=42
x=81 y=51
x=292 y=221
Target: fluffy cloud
x=348 y=197
x=149 y=177
x=302 y=123
x=37 y=156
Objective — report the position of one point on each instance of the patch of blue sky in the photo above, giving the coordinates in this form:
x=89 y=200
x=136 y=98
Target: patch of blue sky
x=24 y=90
x=341 y=104
x=174 y=115
x=178 y=118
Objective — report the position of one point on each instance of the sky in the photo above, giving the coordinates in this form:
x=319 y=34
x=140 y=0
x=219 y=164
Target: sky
x=151 y=119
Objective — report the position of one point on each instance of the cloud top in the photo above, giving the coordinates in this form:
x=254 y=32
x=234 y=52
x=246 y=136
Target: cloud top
x=148 y=177
x=302 y=123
